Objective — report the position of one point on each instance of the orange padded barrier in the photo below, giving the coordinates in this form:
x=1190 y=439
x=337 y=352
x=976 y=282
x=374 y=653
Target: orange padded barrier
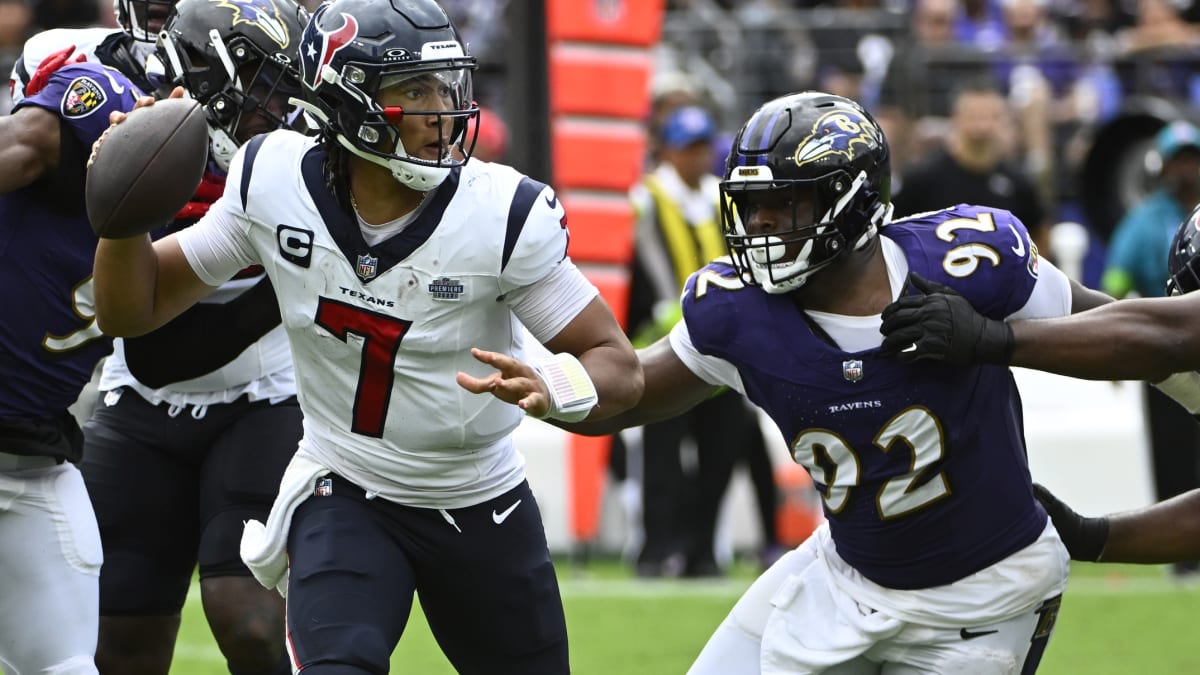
x=594 y=81
x=614 y=288
x=601 y=227
x=599 y=74
x=597 y=155
x=587 y=467
x=800 y=511
x=626 y=22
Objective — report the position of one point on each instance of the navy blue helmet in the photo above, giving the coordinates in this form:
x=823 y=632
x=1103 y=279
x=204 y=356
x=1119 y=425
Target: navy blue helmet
x=238 y=58
x=824 y=150
x=1183 y=260
x=352 y=49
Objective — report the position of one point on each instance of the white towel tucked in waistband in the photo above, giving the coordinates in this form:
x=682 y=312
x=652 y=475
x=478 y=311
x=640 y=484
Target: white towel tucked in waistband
x=264 y=547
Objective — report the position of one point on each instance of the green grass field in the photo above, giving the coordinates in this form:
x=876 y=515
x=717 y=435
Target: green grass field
x=1115 y=620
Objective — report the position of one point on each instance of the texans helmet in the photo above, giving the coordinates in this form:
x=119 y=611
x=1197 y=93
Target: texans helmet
x=239 y=59
x=142 y=19
x=814 y=148
x=1183 y=260
x=352 y=49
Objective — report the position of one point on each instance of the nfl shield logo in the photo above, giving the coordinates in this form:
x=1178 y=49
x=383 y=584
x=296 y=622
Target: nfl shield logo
x=852 y=370
x=366 y=267
x=324 y=487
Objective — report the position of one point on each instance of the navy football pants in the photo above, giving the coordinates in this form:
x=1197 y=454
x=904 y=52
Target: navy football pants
x=483 y=573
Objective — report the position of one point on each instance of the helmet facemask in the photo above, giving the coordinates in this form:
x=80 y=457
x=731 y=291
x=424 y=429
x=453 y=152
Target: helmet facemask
x=823 y=214
x=826 y=157
x=439 y=102
x=142 y=19
x=1183 y=262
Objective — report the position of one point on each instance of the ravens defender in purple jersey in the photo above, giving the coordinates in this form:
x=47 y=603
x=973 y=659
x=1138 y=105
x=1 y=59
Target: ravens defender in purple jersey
x=935 y=557
x=175 y=462
x=49 y=345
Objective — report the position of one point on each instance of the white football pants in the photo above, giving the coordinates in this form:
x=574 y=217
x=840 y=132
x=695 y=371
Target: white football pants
x=794 y=620
x=49 y=572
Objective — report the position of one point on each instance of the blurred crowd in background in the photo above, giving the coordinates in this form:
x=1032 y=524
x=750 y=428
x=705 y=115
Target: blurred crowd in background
x=1047 y=108
x=1063 y=68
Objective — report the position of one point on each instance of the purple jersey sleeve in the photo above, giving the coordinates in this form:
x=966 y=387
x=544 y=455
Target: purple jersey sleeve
x=984 y=253
x=83 y=95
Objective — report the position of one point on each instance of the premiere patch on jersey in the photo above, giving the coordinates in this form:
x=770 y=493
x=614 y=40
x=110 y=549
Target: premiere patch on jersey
x=367 y=266
x=84 y=96
x=446 y=288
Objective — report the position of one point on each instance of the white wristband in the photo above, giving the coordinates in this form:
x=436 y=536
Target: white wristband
x=1184 y=389
x=572 y=394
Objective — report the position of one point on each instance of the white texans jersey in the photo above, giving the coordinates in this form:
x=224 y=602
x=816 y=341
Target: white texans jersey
x=378 y=333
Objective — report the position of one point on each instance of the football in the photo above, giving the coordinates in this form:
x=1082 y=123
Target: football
x=145 y=169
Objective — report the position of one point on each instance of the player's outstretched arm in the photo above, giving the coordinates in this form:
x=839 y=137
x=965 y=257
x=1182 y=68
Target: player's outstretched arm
x=597 y=343
x=29 y=146
x=1144 y=339
x=1161 y=533
x=671 y=389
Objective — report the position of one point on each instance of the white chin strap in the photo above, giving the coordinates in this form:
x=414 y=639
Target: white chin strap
x=221 y=148
x=416 y=176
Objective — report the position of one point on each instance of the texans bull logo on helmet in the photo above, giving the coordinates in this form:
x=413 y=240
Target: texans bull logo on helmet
x=312 y=60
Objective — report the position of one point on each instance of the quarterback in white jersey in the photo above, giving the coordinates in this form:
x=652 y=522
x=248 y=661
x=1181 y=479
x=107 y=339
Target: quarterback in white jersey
x=397 y=319
x=403 y=269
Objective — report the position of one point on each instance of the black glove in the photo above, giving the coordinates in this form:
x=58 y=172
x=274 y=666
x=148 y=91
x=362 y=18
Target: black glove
x=938 y=323
x=1085 y=538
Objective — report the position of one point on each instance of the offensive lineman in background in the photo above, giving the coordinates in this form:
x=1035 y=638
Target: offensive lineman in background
x=129 y=49
x=175 y=466
x=394 y=256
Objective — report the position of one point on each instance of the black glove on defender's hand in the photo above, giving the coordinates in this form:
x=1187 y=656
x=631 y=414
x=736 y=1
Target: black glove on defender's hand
x=939 y=323
x=1085 y=538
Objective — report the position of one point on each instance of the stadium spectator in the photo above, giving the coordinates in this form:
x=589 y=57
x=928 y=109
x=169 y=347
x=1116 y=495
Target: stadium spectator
x=405 y=256
x=49 y=346
x=678 y=232
x=1136 y=263
x=973 y=165
x=913 y=462
x=925 y=72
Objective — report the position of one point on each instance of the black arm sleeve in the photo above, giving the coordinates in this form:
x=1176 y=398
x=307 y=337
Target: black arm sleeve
x=203 y=339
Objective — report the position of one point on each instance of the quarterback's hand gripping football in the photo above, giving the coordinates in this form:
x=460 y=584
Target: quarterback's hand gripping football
x=50 y=65
x=514 y=382
x=1084 y=538
x=116 y=117
x=937 y=322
